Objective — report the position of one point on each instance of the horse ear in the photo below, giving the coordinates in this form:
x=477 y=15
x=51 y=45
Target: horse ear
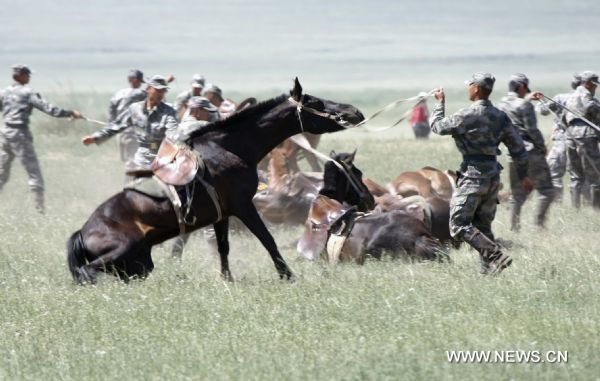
x=296 y=92
x=353 y=155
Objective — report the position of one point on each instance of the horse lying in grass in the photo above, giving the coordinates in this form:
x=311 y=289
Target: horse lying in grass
x=119 y=235
x=396 y=233
x=426 y=182
x=289 y=194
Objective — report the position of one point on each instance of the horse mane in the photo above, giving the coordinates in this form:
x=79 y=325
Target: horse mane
x=231 y=122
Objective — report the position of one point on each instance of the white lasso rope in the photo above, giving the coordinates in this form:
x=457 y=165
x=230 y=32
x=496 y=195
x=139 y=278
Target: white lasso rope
x=418 y=98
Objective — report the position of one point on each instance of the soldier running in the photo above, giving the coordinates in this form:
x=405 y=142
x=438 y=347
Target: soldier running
x=583 y=155
x=517 y=105
x=16 y=103
x=478 y=130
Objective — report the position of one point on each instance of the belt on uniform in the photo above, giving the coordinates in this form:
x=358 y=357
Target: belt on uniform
x=153 y=146
x=479 y=158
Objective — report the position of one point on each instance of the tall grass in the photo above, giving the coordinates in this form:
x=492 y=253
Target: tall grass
x=383 y=320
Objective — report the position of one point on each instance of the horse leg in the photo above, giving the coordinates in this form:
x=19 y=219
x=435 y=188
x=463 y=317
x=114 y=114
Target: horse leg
x=222 y=233
x=107 y=260
x=253 y=222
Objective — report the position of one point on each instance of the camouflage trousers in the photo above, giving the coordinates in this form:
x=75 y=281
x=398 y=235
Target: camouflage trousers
x=557 y=161
x=473 y=207
x=583 y=157
x=539 y=173
x=18 y=143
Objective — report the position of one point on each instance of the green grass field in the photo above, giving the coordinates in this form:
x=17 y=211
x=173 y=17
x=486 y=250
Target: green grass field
x=383 y=320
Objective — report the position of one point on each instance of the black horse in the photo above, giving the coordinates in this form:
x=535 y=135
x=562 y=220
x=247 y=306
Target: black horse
x=345 y=184
x=119 y=235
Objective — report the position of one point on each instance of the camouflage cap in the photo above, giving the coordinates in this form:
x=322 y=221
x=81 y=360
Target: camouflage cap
x=575 y=81
x=210 y=88
x=520 y=79
x=485 y=80
x=589 y=76
x=158 y=82
x=136 y=73
x=198 y=81
x=21 y=69
x=201 y=102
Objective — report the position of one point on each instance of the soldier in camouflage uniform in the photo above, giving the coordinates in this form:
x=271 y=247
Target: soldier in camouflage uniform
x=478 y=130
x=517 y=105
x=557 y=157
x=183 y=98
x=151 y=119
x=583 y=155
x=16 y=103
x=118 y=104
x=201 y=113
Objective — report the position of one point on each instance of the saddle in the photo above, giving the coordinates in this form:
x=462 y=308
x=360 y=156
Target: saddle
x=176 y=164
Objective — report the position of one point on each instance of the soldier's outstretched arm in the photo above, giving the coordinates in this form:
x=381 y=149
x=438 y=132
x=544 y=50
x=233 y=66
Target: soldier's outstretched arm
x=439 y=123
x=108 y=131
x=39 y=103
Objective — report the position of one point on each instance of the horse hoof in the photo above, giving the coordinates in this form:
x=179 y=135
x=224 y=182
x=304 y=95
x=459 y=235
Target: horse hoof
x=84 y=276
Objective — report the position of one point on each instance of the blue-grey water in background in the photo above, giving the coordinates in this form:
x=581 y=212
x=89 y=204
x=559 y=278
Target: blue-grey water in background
x=262 y=44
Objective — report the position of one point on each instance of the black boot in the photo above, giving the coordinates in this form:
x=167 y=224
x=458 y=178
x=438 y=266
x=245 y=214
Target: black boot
x=515 y=216
x=543 y=206
x=492 y=259
x=596 y=198
x=576 y=198
x=38 y=200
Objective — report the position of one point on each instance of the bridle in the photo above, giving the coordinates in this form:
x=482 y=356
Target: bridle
x=337 y=118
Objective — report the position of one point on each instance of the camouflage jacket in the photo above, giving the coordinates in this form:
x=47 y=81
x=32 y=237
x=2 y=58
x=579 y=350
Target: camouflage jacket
x=585 y=104
x=18 y=101
x=150 y=128
x=522 y=115
x=121 y=100
x=478 y=130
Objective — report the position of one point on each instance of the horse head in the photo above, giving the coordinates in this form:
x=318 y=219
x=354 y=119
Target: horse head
x=317 y=115
x=342 y=181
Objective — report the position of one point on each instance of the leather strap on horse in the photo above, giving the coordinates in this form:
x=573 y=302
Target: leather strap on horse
x=173 y=196
x=336 y=240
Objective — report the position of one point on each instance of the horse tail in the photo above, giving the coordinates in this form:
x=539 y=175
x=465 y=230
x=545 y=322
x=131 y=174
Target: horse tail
x=428 y=247
x=76 y=253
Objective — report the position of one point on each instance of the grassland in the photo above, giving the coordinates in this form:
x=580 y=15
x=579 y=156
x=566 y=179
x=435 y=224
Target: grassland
x=383 y=320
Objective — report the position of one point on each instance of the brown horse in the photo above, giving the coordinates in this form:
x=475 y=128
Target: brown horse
x=426 y=182
x=119 y=235
x=289 y=194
